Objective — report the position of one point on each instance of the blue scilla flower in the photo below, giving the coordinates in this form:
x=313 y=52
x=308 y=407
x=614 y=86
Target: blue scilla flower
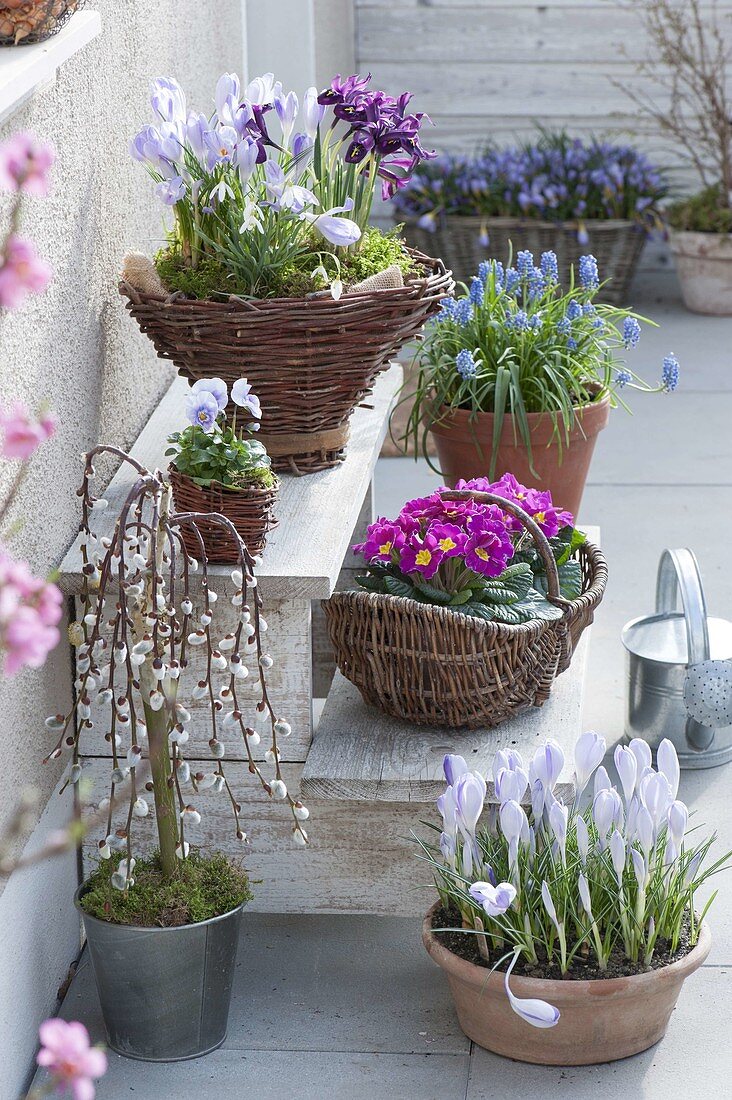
x=574 y=310
x=524 y=263
x=564 y=326
x=465 y=364
x=477 y=291
x=463 y=311
x=588 y=273
x=622 y=378
x=549 y=267
x=631 y=332
x=447 y=313
x=670 y=373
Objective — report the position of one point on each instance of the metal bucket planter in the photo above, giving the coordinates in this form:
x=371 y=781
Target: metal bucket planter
x=164 y=992
x=679 y=669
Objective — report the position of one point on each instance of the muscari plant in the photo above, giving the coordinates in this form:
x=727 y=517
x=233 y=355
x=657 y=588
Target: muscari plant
x=260 y=197
x=473 y=557
x=147 y=645
x=516 y=343
x=212 y=449
x=564 y=886
x=553 y=178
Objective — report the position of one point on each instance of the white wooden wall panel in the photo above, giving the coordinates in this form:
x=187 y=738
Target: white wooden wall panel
x=490 y=69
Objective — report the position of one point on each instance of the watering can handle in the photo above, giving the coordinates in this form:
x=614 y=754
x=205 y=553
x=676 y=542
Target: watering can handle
x=678 y=572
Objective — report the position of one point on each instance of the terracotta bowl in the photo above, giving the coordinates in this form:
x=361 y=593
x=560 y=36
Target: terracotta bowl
x=600 y=1021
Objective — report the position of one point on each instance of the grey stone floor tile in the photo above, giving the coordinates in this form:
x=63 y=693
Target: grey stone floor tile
x=304 y=1075
x=323 y=983
x=692 y=1060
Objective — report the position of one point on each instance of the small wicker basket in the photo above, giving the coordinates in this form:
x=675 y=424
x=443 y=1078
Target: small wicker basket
x=309 y=360
x=615 y=244
x=249 y=509
x=434 y=666
x=23 y=22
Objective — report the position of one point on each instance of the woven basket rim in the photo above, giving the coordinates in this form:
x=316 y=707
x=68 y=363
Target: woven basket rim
x=446 y=614
x=252 y=490
x=414 y=287
x=596 y=224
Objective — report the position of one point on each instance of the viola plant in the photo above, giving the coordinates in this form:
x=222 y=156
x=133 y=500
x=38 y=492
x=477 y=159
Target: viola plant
x=567 y=891
x=474 y=557
x=515 y=343
x=147 y=627
x=264 y=207
x=212 y=449
x=554 y=178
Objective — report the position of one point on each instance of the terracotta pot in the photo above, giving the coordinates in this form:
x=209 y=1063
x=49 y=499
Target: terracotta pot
x=704 y=267
x=464 y=447
x=600 y=1020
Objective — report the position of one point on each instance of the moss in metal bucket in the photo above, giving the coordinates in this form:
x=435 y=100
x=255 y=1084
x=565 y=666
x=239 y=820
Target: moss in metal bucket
x=204 y=887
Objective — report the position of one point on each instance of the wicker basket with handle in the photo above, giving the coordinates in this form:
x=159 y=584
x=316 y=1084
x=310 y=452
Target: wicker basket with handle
x=309 y=360
x=615 y=244
x=435 y=666
x=248 y=508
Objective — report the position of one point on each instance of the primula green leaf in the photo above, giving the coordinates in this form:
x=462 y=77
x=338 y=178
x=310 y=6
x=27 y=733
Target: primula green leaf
x=371 y=584
x=397 y=587
x=477 y=611
x=462 y=597
x=433 y=595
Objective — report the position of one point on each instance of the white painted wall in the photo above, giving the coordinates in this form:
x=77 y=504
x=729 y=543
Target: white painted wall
x=76 y=347
x=490 y=68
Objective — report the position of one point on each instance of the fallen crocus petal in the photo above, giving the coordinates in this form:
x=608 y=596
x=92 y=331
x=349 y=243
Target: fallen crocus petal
x=533 y=1011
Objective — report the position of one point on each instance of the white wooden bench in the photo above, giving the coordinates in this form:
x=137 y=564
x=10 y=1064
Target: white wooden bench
x=367 y=780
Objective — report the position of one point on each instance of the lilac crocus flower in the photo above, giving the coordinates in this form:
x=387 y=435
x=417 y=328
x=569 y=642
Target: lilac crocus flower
x=617 y=854
x=602 y=781
x=312 y=113
x=583 y=838
x=549 y=906
x=642 y=753
x=558 y=819
x=533 y=1011
x=656 y=796
x=494 y=900
x=668 y=765
x=262 y=90
x=678 y=819
x=221 y=144
x=453 y=766
x=644 y=830
x=510 y=785
x=584 y=893
x=606 y=811
x=470 y=792
x=626 y=765
x=168 y=99
x=216 y=387
x=640 y=867
x=547 y=764
x=228 y=89
x=202 y=410
x=588 y=754
x=171 y=191
x=338 y=231
x=286 y=108
x=246 y=158
x=241 y=395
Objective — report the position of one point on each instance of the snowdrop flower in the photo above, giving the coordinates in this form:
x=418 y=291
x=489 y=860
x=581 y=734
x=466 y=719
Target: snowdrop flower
x=626 y=764
x=668 y=765
x=588 y=754
x=535 y=1012
x=494 y=900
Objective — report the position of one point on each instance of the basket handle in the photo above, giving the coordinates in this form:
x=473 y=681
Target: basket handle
x=540 y=539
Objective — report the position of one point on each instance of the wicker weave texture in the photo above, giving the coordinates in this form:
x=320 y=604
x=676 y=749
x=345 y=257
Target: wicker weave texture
x=616 y=245
x=35 y=20
x=433 y=666
x=250 y=510
x=309 y=360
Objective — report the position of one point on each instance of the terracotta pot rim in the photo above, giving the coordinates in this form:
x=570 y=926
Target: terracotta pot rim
x=557 y=990
x=532 y=417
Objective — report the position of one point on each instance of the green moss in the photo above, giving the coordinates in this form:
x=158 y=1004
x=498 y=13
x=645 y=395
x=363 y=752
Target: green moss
x=375 y=252
x=204 y=887
x=702 y=213
x=260 y=478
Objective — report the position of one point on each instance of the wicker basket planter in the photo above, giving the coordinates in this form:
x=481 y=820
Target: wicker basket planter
x=434 y=666
x=249 y=509
x=22 y=24
x=616 y=245
x=310 y=360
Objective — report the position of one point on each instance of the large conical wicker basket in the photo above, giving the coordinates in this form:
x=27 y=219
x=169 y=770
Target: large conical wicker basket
x=616 y=245
x=434 y=666
x=309 y=360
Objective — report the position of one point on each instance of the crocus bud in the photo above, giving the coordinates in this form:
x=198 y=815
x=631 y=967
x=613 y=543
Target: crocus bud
x=655 y=794
x=549 y=906
x=514 y=823
x=605 y=810
x=583 y=838
x=470 y=792
x=535 y=1012
x=678 y=818
x=668 y=765
x=584 y=893
x=453 y=766
x=558 y=819
x=588 y=754
x=547 y=764
x=640 y=868
x=617 y=854
x=626 y=765
x=642 y=753
x=602 y=781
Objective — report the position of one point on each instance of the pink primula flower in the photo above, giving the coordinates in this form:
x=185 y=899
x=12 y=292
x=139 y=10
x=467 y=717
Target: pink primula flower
x=72 y=1063
x=22 y=272
x=25 y=164
x=23 y=433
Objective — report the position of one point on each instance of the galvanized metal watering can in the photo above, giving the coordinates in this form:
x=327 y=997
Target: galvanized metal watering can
x=679 y=667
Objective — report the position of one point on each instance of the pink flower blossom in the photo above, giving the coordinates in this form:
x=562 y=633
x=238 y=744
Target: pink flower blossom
x=25 y=164
x=22 y=272
x=30 y=609
x=22 y=433
x=72 y=1063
